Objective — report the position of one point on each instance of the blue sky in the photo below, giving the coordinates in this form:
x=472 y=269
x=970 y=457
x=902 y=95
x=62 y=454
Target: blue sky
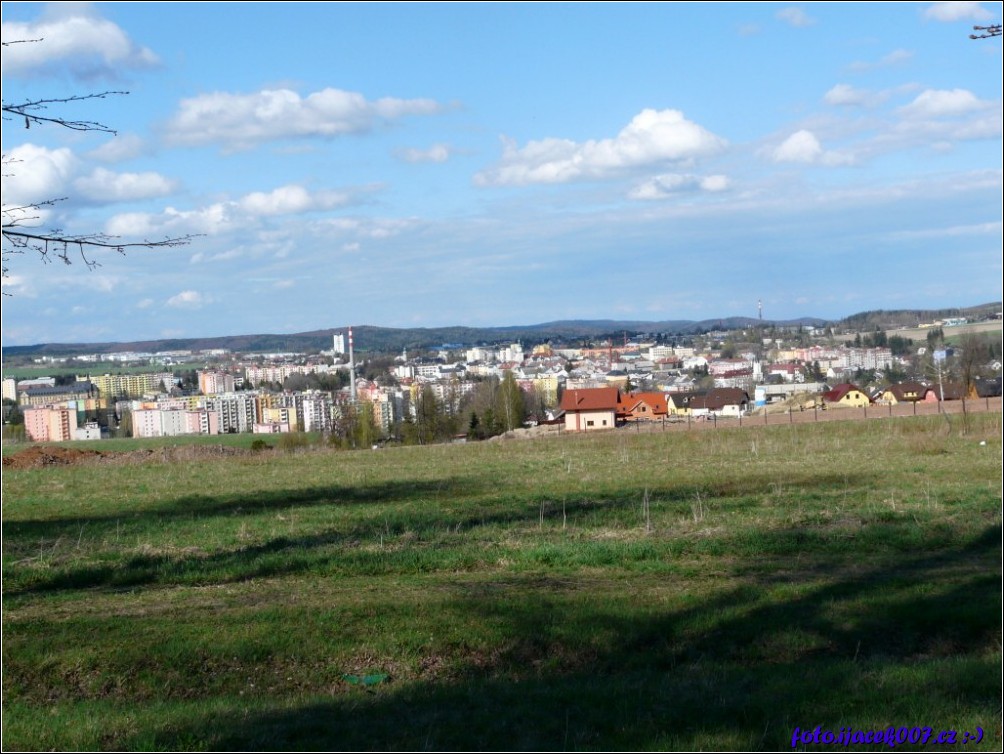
x=418 y=165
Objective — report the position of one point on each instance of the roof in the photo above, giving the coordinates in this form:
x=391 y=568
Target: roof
x=839 y=391
x=655 y=401
x=909 y=391
x=720 y=397
x=76 y=388
x=591 y=399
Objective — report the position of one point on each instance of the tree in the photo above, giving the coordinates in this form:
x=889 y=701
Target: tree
x=21 y=232
x=511 y=410
x=428 y=417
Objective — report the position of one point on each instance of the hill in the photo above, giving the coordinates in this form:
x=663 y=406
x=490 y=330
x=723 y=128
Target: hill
x=899 y=318
x=372 y=338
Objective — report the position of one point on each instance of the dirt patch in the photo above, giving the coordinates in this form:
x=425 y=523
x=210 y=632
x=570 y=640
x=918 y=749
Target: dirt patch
x=43 y=456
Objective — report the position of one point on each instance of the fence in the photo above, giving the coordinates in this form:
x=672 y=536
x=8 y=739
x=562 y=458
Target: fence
x=765 y=417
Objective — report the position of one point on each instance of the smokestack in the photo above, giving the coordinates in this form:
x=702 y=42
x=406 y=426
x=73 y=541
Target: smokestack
x=352 y=369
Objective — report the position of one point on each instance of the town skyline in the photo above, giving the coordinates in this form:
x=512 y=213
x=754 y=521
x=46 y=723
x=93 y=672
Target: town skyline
x=433 y=165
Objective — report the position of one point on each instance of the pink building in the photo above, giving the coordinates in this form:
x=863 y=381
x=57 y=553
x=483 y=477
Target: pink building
x=50 y=423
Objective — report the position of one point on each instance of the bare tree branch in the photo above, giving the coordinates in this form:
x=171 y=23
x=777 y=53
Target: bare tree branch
x=28 y=111
x=19 y=234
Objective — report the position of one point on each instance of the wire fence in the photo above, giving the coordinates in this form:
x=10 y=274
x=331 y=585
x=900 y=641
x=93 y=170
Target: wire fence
x=768 y=417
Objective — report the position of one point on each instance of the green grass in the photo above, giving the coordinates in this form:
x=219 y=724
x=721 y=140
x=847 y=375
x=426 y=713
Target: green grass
x=679 y=591
x=97 y=368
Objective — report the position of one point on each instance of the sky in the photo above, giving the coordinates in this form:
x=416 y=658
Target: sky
x=492 y=164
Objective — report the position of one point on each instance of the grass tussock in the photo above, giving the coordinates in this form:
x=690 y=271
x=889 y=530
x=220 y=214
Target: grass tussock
x=694 y=590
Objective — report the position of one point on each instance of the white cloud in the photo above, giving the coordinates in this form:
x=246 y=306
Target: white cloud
x=145 y=303
x=435 y=153
x=77 y=41
x=957 y=12
x=795 y=17
x=16 y=285
x=652 y=137
x=848 y=96
x=36 y=174
x=187 y=300
x=288 y=200
x=803 y=147
x=243 y=120
x=662 y=186
x=224 y=216
x=105 y=186
x=119 y=148
x=936 y=103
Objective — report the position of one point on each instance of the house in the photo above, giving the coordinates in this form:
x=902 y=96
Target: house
x=721 y=401
x=909 y=392
x=678 y=404
x=847 y=394
x=590 y=409
x=642 y=407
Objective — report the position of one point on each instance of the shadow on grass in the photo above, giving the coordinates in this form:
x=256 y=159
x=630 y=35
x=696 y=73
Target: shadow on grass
x=346 y=546
x=911 y=641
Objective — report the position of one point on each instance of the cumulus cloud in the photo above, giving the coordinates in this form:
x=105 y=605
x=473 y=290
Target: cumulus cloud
x=938 y=118
x=187 y=300
x=104 y=186
x=795 y=17
x=240 y=121
x=210 y=220
x=652 y=137
x=662 y=186
x=803 y=147
x=37 y=173
x=957 y=12
x=224 y=216
x=290 y=200
x=435 y=153
x=936 y=103
x=75 y=40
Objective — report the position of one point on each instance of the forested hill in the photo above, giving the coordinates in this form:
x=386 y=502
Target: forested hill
x=371 y=338
x=893 y=319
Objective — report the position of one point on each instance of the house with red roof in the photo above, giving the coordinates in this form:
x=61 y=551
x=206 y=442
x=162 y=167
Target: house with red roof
x=588 y=409
x=642 y=407
x=847 y=394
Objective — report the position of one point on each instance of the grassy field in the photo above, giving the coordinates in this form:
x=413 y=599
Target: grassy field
x=680 y=591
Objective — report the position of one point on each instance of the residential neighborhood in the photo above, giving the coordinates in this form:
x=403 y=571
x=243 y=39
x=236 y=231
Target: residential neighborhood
x=578 y=387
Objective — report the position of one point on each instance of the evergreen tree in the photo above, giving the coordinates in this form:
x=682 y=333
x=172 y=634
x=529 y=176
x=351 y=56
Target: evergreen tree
x=428 y=417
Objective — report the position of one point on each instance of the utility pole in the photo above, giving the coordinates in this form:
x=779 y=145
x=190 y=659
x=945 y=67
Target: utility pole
x=352 y=369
